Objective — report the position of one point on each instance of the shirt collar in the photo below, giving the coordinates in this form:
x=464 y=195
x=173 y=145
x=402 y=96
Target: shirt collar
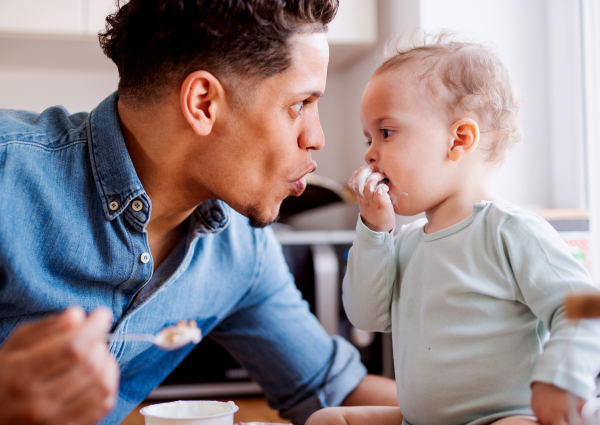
x=211 y=216
x=114 y=173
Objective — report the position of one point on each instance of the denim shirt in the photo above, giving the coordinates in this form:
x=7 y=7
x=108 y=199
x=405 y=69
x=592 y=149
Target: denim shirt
x=72 y=232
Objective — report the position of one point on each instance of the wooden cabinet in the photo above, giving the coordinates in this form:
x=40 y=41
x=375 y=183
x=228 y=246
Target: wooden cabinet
x=56 y=17
x=355 y=23
x=42 y=16
x=97 y=11
x=352 y=32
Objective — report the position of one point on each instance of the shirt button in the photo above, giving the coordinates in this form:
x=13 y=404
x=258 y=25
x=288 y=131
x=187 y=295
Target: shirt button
x=114 y=205
x=137 y=205
x=145 y=257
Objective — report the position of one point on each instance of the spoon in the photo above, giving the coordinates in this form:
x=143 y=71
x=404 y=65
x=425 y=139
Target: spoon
x=170 y=338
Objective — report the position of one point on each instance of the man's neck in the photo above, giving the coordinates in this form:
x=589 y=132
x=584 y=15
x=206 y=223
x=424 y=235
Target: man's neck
x=157 y=140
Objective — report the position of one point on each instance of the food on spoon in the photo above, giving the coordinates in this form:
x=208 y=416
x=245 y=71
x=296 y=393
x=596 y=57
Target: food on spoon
x=183 y=333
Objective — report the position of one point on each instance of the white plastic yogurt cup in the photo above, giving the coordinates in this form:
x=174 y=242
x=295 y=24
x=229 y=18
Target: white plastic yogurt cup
x=190 y=412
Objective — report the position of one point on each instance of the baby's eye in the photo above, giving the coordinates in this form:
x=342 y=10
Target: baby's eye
x=386 y=133
x=368 y=142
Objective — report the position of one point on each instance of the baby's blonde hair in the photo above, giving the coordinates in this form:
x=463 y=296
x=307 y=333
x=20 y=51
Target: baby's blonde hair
x=475 y=81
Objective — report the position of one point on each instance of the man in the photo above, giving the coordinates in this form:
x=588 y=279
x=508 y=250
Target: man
x=152 y=209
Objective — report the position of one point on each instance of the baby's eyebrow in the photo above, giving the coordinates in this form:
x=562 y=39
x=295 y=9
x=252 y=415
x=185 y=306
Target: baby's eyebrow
x=380 y=120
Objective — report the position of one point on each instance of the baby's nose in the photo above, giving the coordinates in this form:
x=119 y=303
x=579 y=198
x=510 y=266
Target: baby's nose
x=370 y=157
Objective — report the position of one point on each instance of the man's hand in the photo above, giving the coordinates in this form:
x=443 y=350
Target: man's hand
x=58 y=371
x=376 y=208
x=552 y=405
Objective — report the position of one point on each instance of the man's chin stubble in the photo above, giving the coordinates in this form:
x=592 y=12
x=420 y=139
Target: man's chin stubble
x=254 y=216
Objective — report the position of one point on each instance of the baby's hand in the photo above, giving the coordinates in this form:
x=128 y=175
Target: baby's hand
x=376 y=207
x=551 y=405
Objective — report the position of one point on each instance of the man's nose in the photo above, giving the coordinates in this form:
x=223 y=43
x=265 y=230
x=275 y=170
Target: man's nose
x=311 y=137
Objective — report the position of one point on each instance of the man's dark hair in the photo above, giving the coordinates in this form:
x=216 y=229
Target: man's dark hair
x=157 y=43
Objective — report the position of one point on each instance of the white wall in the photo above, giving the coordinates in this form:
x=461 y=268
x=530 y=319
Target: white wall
x=565 y=100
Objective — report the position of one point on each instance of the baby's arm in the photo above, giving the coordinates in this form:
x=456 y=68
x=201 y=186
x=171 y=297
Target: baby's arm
x=369 y=279
x=368 y=285
x=545 y=273
x=381 y=415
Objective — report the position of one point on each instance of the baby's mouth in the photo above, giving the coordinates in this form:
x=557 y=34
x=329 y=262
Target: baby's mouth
x=401 y=194
x=384 y=181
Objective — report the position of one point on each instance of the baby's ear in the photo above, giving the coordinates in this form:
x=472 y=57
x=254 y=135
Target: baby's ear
x=464 y=138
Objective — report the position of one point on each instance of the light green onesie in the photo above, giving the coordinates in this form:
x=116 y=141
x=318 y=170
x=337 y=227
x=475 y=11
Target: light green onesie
x=469 y=308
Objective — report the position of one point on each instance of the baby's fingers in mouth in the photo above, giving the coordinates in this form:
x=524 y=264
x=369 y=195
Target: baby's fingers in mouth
x=373 y=180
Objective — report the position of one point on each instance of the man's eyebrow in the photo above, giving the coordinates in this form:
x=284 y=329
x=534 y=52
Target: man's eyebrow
x=316 y=93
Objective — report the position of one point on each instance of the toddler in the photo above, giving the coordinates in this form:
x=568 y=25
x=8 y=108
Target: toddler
x=473 y=294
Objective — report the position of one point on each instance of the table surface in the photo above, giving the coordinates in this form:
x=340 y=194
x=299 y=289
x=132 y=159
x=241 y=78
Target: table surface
x=252 y=409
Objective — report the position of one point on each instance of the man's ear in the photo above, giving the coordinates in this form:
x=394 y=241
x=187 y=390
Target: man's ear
x=464 y=138
x=202 y=96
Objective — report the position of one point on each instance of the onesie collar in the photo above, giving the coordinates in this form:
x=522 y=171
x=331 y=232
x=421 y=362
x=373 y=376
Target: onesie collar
x=427 y=237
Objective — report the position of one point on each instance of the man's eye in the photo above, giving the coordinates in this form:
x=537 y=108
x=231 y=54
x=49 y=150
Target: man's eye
x=298 y=107
x=386 y=133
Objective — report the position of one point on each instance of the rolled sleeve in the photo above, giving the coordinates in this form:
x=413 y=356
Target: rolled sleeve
x=345 y=374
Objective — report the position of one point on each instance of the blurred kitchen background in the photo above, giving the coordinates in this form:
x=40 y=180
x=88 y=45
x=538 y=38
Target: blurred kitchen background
x=49 y=55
